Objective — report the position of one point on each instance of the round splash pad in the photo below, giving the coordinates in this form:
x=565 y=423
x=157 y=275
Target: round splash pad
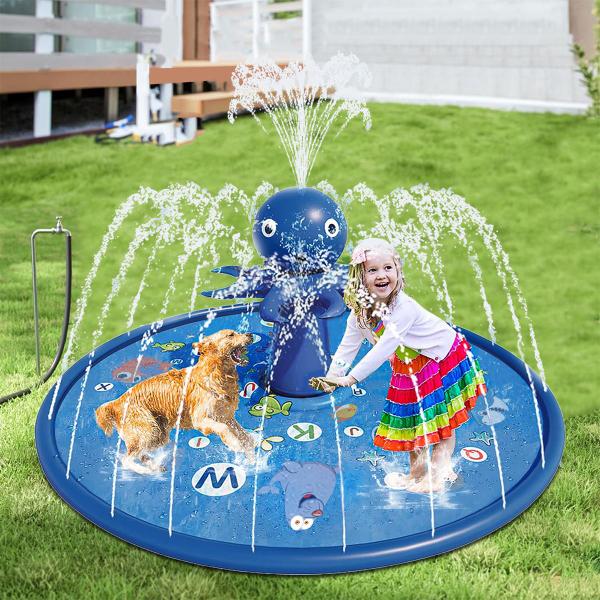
x=321 y=498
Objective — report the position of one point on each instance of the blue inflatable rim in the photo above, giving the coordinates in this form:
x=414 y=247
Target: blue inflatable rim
x=299 y=561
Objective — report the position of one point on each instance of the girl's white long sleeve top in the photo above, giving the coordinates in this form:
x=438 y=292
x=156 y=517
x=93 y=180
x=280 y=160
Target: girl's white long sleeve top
x=407 y=324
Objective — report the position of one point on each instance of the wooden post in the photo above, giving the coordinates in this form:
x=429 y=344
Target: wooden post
x=189 y=29
x=203 y=25
x=111 y=103
x=581 y=24
x=42 y=104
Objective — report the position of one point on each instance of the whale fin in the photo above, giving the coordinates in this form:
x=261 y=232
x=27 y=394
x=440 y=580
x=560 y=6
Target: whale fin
x=269 y=307
x=233 y=270
x=329 y=304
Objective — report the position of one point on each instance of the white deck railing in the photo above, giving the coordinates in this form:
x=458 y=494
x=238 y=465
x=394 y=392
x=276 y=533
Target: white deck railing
x=246 y=30
x=45 y=26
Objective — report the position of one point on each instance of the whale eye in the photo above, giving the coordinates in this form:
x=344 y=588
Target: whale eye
x=307 y=523
x=332 y=227
x=296 y=523
x=269 y=227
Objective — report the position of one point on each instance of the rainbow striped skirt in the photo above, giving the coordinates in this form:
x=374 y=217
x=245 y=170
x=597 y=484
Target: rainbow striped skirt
x=427 y=400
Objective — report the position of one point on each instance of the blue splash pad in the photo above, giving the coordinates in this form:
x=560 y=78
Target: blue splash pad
x=225 y=514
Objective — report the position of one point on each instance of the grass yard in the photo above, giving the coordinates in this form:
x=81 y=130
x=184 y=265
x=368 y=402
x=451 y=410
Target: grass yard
x=535 y=177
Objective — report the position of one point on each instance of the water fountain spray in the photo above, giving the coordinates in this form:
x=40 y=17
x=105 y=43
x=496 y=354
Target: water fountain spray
x=340 y=506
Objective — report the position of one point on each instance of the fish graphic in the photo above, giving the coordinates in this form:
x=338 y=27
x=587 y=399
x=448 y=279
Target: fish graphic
x=496 y=413
x=169 y=346
x=269 y=406
x=147 y=367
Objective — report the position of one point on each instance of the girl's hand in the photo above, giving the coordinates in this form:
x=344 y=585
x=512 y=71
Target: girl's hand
x=346 y=381
x=320 y=384
x=330 y=383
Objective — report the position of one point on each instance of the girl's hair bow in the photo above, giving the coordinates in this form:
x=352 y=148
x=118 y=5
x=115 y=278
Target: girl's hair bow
x=374 y=245
x=359 y=255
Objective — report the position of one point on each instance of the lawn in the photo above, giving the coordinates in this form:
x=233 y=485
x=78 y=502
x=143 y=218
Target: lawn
x=535 y=177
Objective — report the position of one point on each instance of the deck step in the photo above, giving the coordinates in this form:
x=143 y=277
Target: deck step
x=201 y=104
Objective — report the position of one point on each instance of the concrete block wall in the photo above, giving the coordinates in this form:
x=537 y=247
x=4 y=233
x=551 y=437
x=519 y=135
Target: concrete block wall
x=231 y=35
x=282 y=38
x=513 y=50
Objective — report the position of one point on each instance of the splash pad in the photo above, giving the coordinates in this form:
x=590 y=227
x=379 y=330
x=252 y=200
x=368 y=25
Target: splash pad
x=319 y=497
x=223 y=512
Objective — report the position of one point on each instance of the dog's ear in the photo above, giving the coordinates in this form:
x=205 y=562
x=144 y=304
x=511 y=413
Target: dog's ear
x=201 y=347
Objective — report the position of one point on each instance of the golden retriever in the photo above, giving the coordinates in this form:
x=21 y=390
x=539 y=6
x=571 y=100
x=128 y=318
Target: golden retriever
x=145 y=414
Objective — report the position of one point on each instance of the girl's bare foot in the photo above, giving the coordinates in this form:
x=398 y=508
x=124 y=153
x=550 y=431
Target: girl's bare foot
x=424 y=486
x=418 y=472
x=441 y=460
x=450 y=476
x=397 y=481
x=438 y=481
x=418 y=464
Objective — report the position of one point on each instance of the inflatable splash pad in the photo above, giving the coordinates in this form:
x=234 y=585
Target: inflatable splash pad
x=320 y=498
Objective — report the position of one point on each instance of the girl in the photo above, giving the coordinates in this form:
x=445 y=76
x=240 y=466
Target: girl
x=434 y=382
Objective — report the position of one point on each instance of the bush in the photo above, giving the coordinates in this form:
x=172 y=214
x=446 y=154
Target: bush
x=589 y=67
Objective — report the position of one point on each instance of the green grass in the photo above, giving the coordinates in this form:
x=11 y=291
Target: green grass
x=535 y=177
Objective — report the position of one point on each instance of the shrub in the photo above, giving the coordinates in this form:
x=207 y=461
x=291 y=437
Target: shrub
x=589 y=67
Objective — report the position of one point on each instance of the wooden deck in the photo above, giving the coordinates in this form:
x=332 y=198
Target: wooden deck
x=209 y=103
x=196 y=71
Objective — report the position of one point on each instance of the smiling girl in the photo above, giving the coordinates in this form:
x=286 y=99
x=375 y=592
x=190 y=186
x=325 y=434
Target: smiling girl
x=435 y=381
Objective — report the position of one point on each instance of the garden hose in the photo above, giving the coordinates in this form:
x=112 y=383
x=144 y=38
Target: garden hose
x=67 y=310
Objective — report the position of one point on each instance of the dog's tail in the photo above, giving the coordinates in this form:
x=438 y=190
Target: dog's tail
x=106 y=417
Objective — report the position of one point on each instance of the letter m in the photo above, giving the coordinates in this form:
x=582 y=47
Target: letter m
x=217 y=483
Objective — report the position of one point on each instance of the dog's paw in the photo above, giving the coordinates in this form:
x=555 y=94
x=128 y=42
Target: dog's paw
x=152 y=465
